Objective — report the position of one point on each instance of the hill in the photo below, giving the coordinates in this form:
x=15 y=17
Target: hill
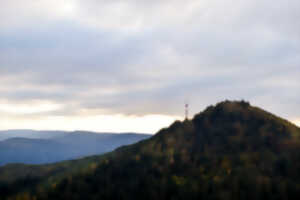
x=30 y=134
x=229 y=151
x=40 y=147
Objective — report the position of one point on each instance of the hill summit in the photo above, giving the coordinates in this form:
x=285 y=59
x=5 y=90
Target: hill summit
x=229 y=151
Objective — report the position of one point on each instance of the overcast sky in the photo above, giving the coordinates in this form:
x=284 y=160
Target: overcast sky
x=129 y=65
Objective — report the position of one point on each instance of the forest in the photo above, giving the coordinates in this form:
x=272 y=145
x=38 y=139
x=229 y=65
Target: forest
x=229 y=151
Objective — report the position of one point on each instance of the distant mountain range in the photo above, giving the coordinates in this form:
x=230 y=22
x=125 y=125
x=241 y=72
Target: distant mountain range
x=37 y=147
x=32 y=134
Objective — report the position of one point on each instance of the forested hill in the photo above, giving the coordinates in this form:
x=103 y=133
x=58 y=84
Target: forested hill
x=229 y=151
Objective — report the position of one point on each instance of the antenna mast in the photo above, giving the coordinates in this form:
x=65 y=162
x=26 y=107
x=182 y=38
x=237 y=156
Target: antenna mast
x=186 y=106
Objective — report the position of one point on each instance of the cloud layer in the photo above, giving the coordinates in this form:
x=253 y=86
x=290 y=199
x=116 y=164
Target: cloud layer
x=148 y=57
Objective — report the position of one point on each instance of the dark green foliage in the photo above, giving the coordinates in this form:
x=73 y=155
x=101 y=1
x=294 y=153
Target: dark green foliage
x=229 y=151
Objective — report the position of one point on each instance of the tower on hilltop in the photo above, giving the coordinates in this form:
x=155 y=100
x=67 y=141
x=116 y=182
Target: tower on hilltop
x=186 y=110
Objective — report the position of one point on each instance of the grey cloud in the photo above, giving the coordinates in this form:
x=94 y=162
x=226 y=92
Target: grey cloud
x=207 y=53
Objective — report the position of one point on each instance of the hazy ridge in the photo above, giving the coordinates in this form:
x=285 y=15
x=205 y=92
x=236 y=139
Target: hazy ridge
x=37 y=147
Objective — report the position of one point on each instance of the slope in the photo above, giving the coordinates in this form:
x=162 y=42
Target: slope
x=229 y=151
x=30 y=134
x=62 y=146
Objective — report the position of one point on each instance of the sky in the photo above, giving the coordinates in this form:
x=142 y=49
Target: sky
x=130 y=65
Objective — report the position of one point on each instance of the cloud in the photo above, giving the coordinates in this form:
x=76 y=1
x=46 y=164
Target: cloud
x=40 y=107
x=147 y=57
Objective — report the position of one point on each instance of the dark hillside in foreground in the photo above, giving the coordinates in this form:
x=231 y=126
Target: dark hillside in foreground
x=229 y=151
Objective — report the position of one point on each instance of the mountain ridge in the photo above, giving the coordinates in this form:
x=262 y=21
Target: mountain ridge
x=228 y=151
x=61 y=146
x=48 y=134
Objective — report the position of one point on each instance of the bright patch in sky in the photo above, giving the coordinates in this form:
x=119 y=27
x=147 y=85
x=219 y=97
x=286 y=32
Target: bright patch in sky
x=297 y=122
x=100 y=123
x=69 y=8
